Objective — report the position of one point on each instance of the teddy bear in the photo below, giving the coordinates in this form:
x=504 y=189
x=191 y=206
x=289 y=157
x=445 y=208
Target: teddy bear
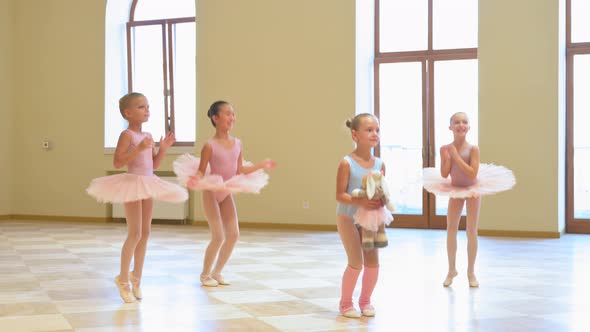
x=373 y=221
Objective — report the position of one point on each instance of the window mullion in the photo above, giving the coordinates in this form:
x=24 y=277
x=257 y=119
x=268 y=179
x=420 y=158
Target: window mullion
x=430 y=26
x=165 y=76
x=171 y=50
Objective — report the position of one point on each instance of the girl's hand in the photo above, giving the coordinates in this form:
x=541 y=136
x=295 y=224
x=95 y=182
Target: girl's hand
x=146 y=143
x=444 y=152
x=268 y=164
x=370 y=203
x=193 y=180
x=453 y=151
x=166 y=142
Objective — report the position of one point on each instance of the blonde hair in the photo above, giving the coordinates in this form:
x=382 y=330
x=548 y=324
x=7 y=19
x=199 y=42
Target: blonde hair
x=354 y=122
x=126 y=100
x=457 y=113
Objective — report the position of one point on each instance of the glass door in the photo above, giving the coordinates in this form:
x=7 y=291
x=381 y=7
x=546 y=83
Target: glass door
x=401 y=109
x=455 y=90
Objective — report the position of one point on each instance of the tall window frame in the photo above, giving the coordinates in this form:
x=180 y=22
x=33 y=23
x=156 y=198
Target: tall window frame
x=574 y=224
x=168 y=54
x=428 y=57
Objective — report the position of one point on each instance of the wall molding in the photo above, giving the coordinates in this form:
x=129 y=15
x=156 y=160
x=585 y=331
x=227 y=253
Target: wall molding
x=267 y=225
x=527 y=234
x=36 y=217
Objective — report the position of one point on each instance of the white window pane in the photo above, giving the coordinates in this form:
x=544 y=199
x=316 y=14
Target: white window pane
x=454 y=24
x=455 y=90
x=148 y=76
x=400 y=111
x=581 y=136
x=184 y=82
x=580 y=21
x=403 y=25
x=158 y=9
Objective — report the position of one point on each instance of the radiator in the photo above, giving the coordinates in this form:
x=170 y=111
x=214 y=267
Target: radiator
x=162 y=210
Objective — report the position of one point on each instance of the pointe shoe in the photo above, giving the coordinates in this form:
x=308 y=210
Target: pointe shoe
x=220 y=280
x=350 y=313
x=124 y=290
x=473 y=281
x=368 y=311
x=135 y=286
x=449 y=279
x=207 y=281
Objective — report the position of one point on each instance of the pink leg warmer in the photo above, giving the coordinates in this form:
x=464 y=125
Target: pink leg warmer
x=370 y=277
x=349 y=279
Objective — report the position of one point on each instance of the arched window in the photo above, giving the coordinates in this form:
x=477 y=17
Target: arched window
x=150 y=48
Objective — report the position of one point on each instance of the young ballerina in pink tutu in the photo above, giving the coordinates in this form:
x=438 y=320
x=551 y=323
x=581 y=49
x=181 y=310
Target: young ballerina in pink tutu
x=136 y=189
x=365 y=133
x=219 y=172
x=469 y=181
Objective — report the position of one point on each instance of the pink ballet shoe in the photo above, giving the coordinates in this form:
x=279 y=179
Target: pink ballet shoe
x=449 y=279
x=207 y=281
x=220 y=280
x=124 y=290
x=135 y=286
x=368 y=311
x=350 y=312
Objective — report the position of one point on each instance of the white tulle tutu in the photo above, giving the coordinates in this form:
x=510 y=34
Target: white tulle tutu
x=187 y=165
x=491 y=179
x=126 y=187
x=371 y=219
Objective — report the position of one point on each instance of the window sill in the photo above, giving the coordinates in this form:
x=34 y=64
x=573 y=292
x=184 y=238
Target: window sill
x=173 y=150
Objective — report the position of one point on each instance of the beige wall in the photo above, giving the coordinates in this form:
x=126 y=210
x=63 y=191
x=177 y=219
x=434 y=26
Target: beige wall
x=519 y=111
x=60 y=64
x=288 y=68
x=7 y=103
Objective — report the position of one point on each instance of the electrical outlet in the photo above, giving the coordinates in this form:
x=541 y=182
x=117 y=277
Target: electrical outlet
x=45 y=145
x=306 y=204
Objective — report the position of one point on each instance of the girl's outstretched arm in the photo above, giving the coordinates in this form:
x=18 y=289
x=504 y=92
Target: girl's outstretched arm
x=343 y=197
x=470 y=169
x=165 y=143
x=122 y=157
x=445 y=161
x=266 y=164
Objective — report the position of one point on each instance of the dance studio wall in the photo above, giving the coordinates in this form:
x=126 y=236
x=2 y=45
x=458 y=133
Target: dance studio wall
x=60 y=71
x=289 y=69
x=287 y=66
x=521 y=112
x=7 y=104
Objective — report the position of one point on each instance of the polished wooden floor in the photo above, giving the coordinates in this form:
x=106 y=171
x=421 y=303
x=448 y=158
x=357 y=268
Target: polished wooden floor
x=59 y=277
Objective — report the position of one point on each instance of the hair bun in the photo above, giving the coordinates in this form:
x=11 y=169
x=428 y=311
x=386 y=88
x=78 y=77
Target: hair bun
x=349 y=123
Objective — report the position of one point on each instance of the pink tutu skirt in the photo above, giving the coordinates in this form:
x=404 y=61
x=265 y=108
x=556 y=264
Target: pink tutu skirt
x=371 y=219
x=187 y=165
x=126 y=187
x=491 y=179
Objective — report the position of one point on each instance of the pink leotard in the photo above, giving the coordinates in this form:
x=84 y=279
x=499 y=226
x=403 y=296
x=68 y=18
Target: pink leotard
x=224 y=162
x=458 y=177
x=143 y=163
